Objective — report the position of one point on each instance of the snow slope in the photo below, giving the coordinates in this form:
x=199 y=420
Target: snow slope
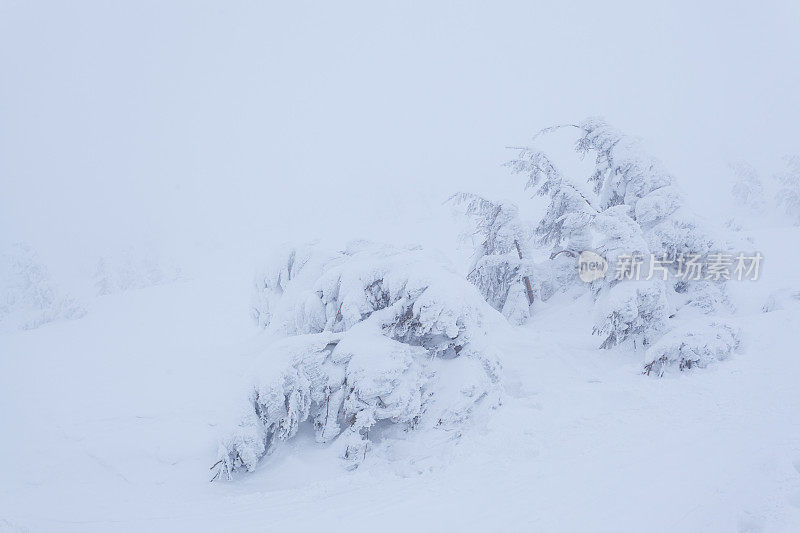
x=110 y=423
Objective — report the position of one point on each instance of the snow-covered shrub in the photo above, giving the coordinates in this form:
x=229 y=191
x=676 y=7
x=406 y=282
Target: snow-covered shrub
x=632 y=312
x=28 y=297
x=618 y=235
x=691 y=346
x=373 y=336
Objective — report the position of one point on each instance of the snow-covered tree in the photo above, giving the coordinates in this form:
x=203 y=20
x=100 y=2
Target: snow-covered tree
x=501 y=267
x=28 y=296
x=633 y=210
x=369 y=334
x=565 y=223
x=629 y=210
x=748 y=190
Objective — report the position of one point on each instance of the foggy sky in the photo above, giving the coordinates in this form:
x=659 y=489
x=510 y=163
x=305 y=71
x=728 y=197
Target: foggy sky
x=200 y=123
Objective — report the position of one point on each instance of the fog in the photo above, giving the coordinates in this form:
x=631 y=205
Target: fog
x=198 y=126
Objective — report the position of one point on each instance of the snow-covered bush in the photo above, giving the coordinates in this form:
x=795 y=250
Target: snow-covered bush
x=691 y=346
x=632 y=312
x=28 y=296
x=373 y=336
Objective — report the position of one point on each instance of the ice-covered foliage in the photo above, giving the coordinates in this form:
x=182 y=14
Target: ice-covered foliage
x=28 y=296
x=374 y=339
x=565 y=223
x=618 y=234
x=297 y=269
x=691 y=346
x=497 y=223
x=628 y=311
x=625 y=174
x=632 y=312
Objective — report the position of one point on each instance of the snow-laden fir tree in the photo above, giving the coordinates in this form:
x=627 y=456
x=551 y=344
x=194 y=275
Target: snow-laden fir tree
x=576 y=220
x=565 y=223
x=628 y=209
x=501 y=267
x=643 y=213
x=372 y=339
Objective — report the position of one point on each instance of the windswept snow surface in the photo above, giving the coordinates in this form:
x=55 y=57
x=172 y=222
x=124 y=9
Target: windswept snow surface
x=110 y=423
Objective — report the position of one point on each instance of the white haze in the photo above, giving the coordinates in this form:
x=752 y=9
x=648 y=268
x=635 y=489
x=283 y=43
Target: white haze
x=201 y=126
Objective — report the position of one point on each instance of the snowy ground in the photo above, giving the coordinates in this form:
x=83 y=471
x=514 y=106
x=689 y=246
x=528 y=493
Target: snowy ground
x=110 y=423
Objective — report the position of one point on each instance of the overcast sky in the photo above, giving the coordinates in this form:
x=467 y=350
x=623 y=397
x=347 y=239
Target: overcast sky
x=200 y=122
